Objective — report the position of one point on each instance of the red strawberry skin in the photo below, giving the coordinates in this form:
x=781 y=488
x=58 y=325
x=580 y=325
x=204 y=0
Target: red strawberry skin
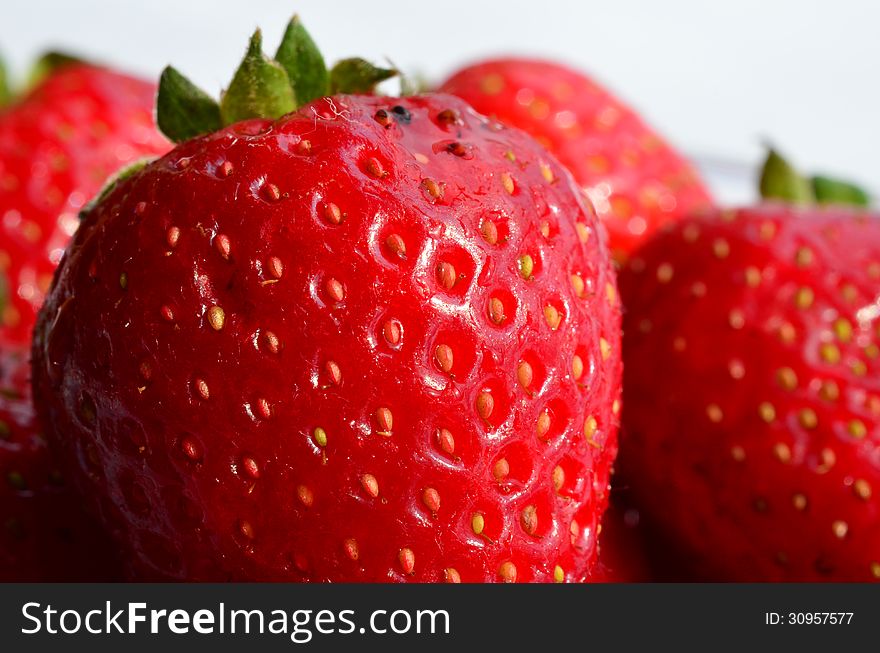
x=58 y=145
x=44 y=534
x=753 y=392
x=295 y=350
x=636 y=180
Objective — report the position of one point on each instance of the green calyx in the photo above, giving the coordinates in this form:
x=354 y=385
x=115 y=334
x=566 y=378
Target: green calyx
x=262 y=87
x=781 y=181
x=4 y=85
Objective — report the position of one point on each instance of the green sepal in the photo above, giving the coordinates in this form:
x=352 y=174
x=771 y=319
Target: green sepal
x=113 y=181
x=259 y=89
x=302 y=60
x=780 y=180
x=835 y=191
x=5 y=93
x=183 y=110
x=48 y=64
x=357 y=76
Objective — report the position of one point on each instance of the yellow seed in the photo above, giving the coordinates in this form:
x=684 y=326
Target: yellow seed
x=787 y=333
x=507 y=571
x=501 y=469
x=577 y=367
x=526 y=266
x=875 y=569
x=690 y=233
x=859 y=368
x=721 y=248
x=407 y=560
x=786 y=378
x=578 y=285
x=767 y=411
x=829 y=391
x=543 y=424
x=843 y=329
x=799 y=501
x=452 y=575
x=216 y=318
x=485 y=404
x=590 y=426
x=478 y=523
x=507 y=182
x=753 y=277
x=857 y=429
x=604 y=348
x=840 y=529
x=431 y=499
x=546 y=172
x=664 y=272
x=443 y=355
x=583 y=231
x=862 y=489
x=552 y=316
x=803 y=257
x=736 y=319
x=558 y=574
x=738 y=453
x=370 y=485
x=385 y=420
x=524 y=374
x=807 y=418
x=804 y=297
x=714 y=412
x=829 y=353
x=558 y=478
x=496 y=310
x=782 y=452
x=610 y=292
x=320 y=436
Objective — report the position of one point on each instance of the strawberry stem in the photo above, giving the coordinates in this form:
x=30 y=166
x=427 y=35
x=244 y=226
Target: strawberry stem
x=262 y=87
x=829 y=190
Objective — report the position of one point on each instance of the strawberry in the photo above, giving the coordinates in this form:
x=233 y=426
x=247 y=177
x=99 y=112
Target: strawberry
x=44 y=534
x=374 y=339
x=753 y=391
x=58 y=144
x=636 y=180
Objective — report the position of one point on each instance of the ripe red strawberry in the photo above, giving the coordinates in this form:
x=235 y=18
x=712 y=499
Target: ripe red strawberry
x=44 y=534
x=58 y=145
x=637 y=181
x=373 y=340
x=753 y=392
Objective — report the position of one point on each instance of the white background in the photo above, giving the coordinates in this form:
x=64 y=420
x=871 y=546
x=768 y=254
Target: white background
x=718 y=78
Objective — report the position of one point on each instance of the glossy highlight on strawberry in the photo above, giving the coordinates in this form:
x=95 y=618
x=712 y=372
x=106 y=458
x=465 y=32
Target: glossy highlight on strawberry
x=58 y=146
x=636 y=180
x=752 y=431
x=374 y=340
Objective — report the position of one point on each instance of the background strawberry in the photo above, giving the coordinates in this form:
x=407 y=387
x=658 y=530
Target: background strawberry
x=637 y=181
x=374 y=340
x=58 y=145
x=753 y=389
x=44 y=534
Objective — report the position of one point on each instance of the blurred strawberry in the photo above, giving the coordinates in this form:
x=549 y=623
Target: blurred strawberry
x=58 y=145
x=636 y=180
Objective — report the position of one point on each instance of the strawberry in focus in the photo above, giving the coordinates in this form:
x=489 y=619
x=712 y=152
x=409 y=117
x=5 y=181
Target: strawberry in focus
x=636 y=180
x=44 y=534
x=752 y=430
x=376 y=339
x=58 y=145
